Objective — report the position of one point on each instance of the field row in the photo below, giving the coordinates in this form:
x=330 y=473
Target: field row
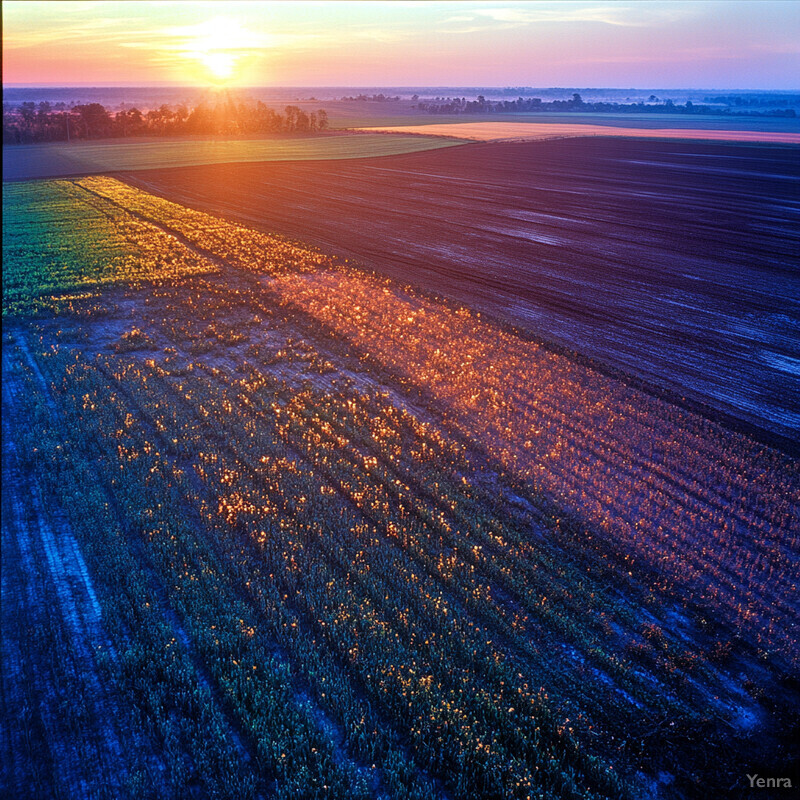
x=709 y=511
x=273 y=553
x=349 y=541
x=673 y=262
x=359 y=585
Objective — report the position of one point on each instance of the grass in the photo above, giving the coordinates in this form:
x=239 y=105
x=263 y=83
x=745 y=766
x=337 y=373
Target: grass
x=83 y=158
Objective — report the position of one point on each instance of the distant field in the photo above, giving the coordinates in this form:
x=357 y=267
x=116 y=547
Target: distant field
x=505 y=131
x=369 y=114
x=81 y=158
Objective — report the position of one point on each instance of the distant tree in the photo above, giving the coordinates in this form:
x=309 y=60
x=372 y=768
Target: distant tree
x=577 y=100
x=201 y=119
x=302 y=123
x=27 y=123
x=129 y=122
x=27 y=112
x=153 y=117
x=95 y=119
x=291 y=117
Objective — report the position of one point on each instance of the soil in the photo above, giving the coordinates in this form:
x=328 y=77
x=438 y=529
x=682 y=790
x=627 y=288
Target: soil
x=673 y=262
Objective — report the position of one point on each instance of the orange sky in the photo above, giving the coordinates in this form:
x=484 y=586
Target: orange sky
x=711 y=44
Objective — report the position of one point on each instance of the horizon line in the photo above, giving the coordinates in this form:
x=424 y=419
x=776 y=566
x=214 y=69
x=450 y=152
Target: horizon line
x=160 y=85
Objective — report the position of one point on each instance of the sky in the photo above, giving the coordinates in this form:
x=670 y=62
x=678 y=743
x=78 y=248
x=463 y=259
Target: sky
x=713 y=44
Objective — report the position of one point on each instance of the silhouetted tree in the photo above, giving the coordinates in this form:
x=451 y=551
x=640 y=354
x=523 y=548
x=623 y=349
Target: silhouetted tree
x=27 y=123
x=291 y=117
x=302 y=124
x=95 y=119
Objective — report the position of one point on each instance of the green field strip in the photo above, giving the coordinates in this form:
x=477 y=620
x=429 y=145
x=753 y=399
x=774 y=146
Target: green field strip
x=27 y=162
x=59 y=239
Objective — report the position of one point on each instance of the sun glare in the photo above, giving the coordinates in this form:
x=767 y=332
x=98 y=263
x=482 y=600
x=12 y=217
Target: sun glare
x=220 y=47
x=221 y=65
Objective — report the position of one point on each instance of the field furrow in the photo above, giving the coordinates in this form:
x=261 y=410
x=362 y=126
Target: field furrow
x=337 y=537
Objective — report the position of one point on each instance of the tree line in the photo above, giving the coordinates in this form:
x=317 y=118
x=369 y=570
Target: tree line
x=754 y=100
x=29 y=123
x=456 y=105
x=374 y=98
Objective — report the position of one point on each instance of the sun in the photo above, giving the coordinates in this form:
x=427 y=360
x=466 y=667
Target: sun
x=219 y=48
x=221 y=65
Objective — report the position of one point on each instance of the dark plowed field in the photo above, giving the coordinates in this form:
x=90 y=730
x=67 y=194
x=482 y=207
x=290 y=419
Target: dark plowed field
x=676 y=262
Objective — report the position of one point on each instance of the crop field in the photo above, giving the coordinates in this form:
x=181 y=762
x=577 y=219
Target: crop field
x=673 y=262
x=277 y=527
x=523 y=131
x=60 y=238
x=354 y=114
x=23 y=162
